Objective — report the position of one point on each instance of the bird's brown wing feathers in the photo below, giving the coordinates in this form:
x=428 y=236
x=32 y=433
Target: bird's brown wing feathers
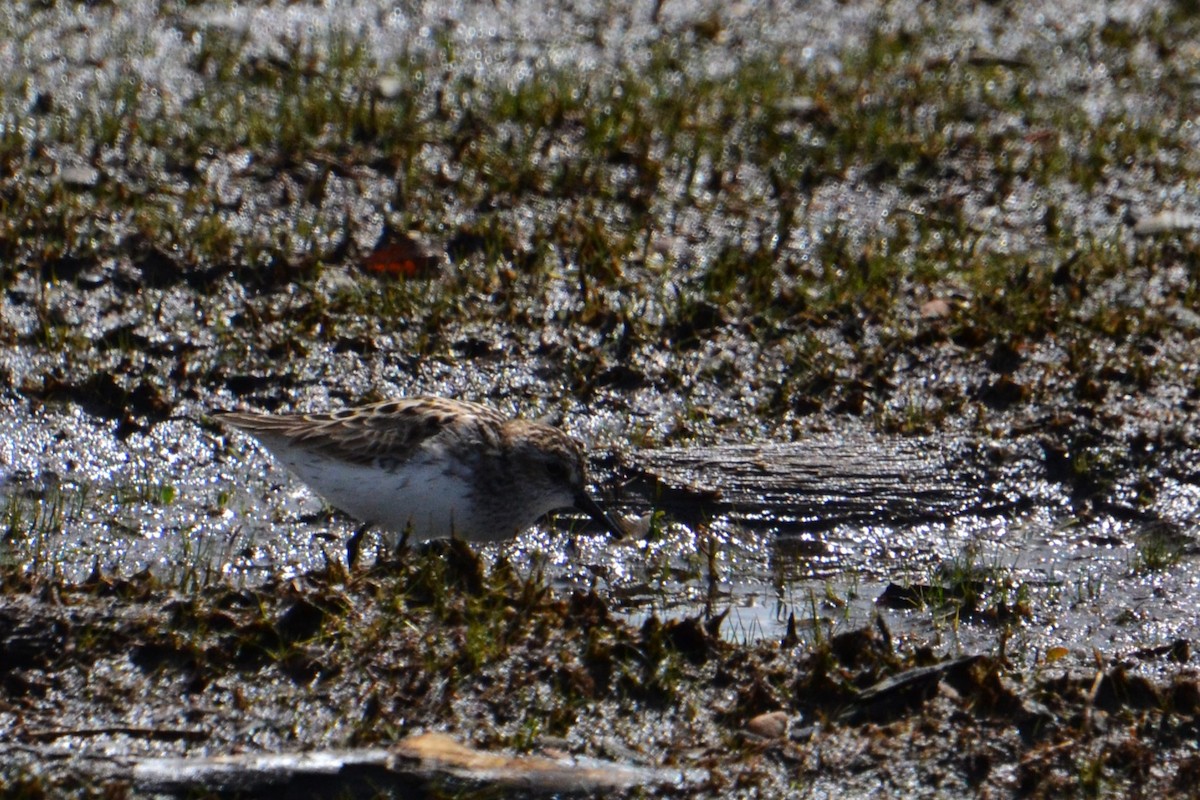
x=392 y=429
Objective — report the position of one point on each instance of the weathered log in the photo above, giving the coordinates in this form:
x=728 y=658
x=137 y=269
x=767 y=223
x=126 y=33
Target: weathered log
x=411 y=768
x=817 y=484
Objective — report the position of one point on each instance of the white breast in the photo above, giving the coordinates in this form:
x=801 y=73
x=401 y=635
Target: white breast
x=420 y=495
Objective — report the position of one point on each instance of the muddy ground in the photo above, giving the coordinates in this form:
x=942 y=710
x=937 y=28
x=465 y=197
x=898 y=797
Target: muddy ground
x=959 y=231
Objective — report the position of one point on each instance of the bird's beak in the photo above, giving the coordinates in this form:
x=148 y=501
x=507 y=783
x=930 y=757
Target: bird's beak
x=586 y=504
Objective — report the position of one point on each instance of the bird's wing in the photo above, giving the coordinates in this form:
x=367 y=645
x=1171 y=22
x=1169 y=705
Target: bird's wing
x=392 y=429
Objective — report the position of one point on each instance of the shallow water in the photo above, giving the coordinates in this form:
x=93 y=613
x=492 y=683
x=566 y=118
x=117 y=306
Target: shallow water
x=189 y=504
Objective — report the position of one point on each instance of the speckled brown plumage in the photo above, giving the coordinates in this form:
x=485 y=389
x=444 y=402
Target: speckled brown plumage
x=431 y=465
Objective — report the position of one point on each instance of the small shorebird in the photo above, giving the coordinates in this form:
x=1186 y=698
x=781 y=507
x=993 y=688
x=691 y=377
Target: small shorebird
x=431 y=467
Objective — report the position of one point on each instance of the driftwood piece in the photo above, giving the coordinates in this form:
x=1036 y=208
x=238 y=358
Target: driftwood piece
x=816 y=484
x=411 y=768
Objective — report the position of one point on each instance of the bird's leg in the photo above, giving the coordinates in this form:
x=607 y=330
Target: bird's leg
x=402 y=546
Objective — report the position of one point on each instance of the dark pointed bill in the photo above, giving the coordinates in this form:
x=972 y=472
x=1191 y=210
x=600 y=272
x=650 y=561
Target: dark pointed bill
x=586 y=504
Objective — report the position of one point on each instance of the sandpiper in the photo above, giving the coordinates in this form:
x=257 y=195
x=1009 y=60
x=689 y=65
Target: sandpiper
x=431 y=467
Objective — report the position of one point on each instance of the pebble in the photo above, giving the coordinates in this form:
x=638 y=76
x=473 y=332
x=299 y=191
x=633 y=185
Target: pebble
x=771 y=725
x=1165 y=222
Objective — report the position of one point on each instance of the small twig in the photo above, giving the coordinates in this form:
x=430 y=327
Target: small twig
x=47 y=752
x=1089 y=708
x=163 y=734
